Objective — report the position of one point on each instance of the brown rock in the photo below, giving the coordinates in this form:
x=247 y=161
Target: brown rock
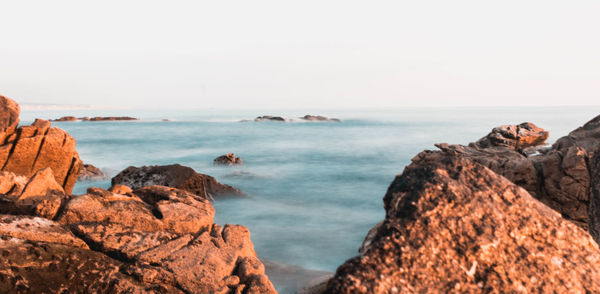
x=309 y=117
x=66 y=118
x=89 y=172
x=42 y=196
x=112 y=118
x=228 y=159
x=515 y=137
x=11 y=184
x=121 y=189
x=176 y=176
x=9 y=117
x=453 y=225
x=37 y=229
x=269 y=118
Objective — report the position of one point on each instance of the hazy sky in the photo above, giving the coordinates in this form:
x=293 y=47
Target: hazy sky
x=256 y=54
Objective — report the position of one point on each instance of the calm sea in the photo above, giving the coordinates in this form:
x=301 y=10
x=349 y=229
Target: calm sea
x=316 y=187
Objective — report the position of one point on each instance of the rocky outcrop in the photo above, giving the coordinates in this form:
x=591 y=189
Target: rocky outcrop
x=228 y=159
x=28 y=149
x=175 y=176
x=453 y=225
x=269 y=118
x=112 y=118
x=89 y=172
x=9 y=117
x=514 y=137
x=309 y=117
x=65 y=118
x=153 y=239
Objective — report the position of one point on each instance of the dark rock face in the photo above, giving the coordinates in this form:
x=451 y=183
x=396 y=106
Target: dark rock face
x=319 y=118
x=515 y=137
x=270 y=118
x=175 y=176
x=89 y=172
x=228 y=159
x=31 y=148
x=453 y=225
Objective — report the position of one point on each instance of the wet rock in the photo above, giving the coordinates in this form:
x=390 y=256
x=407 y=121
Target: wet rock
x=269 y=118
x=176 y=176
x=65 y=118
x=309 y=117
x=515 y=137
x=228 y=159
x=9 y=117
x=89 y=172
x=453 y=225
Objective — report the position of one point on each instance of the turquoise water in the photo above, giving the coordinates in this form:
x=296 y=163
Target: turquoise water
x=316 y=188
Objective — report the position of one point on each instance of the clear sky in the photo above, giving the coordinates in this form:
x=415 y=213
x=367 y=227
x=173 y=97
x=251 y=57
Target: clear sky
x=255 y=54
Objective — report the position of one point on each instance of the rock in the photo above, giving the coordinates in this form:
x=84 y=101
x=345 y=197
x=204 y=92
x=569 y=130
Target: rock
x=176 y=176
x=121 y=189
x=112 y=118
x=295 y=279
x=31 y=148
x=228 y=159
x=309 y=117
x=89 y=172
x=9 y=117
x=66 y=118
x=37 y=229
x=515 y=137
x=453 y=225
x=11 y=184
x=270 y=118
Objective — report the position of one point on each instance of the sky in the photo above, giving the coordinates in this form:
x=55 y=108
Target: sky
x=319 y=54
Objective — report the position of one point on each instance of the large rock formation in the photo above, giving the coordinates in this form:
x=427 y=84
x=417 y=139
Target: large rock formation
x=453 y=225
x=175 y=176
x=154 y=239
x=514 y=137
x=28 y=149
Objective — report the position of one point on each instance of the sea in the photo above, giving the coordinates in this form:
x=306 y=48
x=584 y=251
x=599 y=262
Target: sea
x=315 y=188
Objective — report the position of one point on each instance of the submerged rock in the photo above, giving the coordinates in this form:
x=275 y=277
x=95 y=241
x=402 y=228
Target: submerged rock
x=453 y=225
x=228 y=159
x=89 y=172
x=175 y=176
x=309 y=117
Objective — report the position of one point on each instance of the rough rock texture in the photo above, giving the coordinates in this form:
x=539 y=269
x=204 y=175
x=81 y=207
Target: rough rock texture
x=515 y=137
x=453 y=225
x=319 y=118
x=89 y=172
x=31 y=148
x=228 y=159
x=9 y=117
x=175 y=176
x=270 y=118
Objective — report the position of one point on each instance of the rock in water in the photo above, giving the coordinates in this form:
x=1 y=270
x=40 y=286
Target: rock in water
x=453 y=225
x=89 y=172
x=309 y=117
x=270 y=118
x=515 y=137
x=66 y=118
x=176 y=176
x=228 y=159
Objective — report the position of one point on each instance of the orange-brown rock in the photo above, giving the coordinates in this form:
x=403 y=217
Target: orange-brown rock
x=89 y=172
x=66 y=118
x=453 y=225
x=9 y=117
x=38 y=146
x=515 y=137
x=176 y=176
x=228 y=159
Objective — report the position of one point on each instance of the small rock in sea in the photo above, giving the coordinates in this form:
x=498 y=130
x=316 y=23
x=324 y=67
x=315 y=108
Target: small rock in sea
x=166 y=120
x=112 y=118
x=89 y=172
x=228 y=159
x=270 y=118
x=309 y=117
x=515 y=137
x=66 y=118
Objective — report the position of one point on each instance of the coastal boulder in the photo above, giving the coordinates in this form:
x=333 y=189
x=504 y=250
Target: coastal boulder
x=89 y=172
x=453 y=225
x=228 y=159
x=38 y=146
x=176 y=176
x=9 y=117
x=515 y=137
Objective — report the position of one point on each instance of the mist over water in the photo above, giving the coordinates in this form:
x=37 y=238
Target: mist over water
x=315 y=188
